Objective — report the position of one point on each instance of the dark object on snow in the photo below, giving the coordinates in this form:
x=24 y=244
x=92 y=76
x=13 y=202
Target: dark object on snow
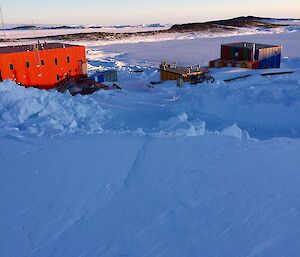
x=277 y=73
x=264 y=74
x=81 y=86
x=196 y=79
x=155 y=82
x=236 y=78
x=138 y=71
x=115 y=86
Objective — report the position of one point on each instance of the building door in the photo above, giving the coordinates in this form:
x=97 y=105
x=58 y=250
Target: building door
x=82 y=68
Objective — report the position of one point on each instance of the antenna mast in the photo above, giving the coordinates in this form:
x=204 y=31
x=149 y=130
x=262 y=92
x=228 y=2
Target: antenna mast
x=2 y=21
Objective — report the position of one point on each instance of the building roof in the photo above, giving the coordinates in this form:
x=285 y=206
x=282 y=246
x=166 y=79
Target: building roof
x=32 y=47
x=181 y=70
x=250 y=45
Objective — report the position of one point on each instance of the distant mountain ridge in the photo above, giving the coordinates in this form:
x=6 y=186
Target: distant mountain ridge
x=33 y=27
x=238 y=22
x=36 y=27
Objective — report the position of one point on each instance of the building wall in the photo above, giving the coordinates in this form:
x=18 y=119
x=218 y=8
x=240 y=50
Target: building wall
x=269 y=57
x=236 y=53
x=43 y=71
x=167 y=75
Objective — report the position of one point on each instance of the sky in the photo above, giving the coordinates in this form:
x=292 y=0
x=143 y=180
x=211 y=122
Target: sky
x=122 y=12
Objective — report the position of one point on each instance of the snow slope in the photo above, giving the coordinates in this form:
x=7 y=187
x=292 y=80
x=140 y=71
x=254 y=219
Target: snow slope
x=125 y=195
x=210 y=170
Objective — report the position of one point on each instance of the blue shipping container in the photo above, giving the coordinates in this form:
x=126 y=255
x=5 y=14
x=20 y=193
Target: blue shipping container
x=100 y=78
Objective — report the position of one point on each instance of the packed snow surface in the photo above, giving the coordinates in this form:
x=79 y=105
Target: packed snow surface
x=155 y=170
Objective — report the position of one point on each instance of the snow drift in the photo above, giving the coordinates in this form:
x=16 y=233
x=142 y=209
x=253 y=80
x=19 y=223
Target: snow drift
x=261 y=107
x=38 y=111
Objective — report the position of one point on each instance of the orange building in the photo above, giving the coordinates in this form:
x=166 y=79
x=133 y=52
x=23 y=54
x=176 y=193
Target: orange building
x=43 y=65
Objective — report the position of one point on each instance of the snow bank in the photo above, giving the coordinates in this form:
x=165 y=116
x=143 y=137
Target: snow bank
x=257 y=106
x=34 y=111
x=37 y=111
x=235 y=131
x=181 y=126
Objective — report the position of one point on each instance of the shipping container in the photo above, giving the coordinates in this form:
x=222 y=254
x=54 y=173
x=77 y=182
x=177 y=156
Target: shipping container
x=106 y=76
x=212 y=64
x=261 y=56
x=100 y=78
x=110 y=76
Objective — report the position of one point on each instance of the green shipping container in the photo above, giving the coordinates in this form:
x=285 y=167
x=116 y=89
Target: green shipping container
x=246 y=54
x=232 y=53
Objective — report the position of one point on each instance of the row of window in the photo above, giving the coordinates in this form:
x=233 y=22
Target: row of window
x=58 y=77
x=11 y=66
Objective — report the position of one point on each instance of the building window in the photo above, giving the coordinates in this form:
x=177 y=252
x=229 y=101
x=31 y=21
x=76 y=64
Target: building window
x=27 y=64
x=42 y=62
x=55 y=61
x=11 y=66
x=57 y=77
x=68 y=59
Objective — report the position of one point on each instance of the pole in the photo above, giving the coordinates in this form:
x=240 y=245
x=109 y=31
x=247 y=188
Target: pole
x=2 y=21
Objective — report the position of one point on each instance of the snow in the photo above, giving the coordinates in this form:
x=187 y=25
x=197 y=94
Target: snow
x=17 y=34
x=125 y=195
x=36 y=112
x=150 y=51
x=206 y=170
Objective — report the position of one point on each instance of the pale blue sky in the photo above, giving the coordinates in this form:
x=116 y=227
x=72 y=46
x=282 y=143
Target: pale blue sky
x=112 y=12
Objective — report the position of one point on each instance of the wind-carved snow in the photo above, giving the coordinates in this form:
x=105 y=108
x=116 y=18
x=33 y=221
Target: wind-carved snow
x=235 y=131
x=137 y=165
x=38 y=112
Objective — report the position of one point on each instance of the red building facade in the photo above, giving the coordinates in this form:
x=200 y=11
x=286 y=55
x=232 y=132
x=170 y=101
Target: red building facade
x=42 y=65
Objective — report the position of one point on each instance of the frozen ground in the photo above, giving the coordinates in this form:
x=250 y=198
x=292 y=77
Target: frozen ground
x=209 y=170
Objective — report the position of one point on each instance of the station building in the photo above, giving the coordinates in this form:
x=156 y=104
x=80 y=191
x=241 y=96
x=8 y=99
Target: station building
x=43 y=65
